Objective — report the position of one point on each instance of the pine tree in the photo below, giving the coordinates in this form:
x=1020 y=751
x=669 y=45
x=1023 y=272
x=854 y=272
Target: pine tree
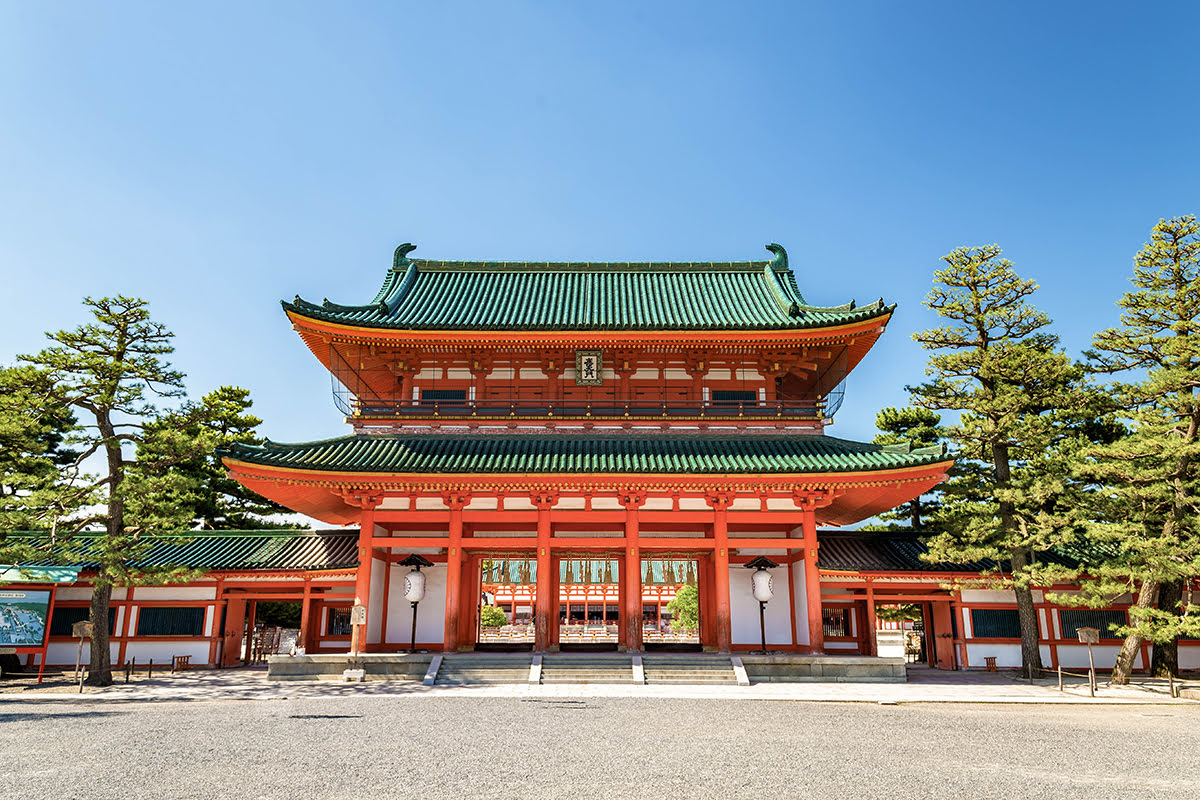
x=219 y=503
x=1151 y=477
x=998 y=364
x=917 y=427
x=33 y=454
x=111 y=372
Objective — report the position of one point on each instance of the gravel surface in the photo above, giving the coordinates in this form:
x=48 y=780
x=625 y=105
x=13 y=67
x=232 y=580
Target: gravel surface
x=457 y=747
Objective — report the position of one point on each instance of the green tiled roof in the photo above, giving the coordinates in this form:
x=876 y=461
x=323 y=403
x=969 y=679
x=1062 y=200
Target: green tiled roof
x=572 y=296
x=577 y=453
x=885 y=551
x=238 y=550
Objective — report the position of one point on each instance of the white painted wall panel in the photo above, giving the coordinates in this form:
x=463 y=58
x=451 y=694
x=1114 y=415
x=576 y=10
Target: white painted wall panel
x=431 y=613
x=743 y=608
x=801 y=608
x=174 y=592
x=374 y=614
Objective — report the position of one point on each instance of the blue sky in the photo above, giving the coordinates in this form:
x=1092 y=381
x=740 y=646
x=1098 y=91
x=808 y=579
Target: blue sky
x=217 y=158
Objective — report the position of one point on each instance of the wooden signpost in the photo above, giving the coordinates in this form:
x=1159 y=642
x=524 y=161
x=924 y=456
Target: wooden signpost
x=1090 y=636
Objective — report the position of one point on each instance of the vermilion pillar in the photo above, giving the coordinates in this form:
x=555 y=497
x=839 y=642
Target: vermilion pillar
x=812 y=584
x=542 y=600
x=362 y=580
x=631 y=580
x=720 y=506
x=872 y=641
x=453 y=573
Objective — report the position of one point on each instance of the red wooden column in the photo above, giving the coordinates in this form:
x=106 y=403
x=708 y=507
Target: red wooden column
x=720 y=504
x=304 y=614
x=812 y=584
x=543 y=602
x=872 y=641
x=362 y=580
x=631 y=577
x=450 y=638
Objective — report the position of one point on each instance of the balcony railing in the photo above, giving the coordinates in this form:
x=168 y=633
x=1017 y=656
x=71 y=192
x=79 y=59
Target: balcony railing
x=539 y=409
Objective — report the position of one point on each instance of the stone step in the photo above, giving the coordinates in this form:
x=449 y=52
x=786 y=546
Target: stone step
x=691 y=681
x=552 y=680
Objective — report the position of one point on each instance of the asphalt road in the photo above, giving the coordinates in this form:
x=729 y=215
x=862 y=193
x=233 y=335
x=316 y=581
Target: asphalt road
x=453 y=747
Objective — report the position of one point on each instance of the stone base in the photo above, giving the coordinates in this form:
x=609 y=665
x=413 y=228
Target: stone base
x=332 y=666
x=826 y=669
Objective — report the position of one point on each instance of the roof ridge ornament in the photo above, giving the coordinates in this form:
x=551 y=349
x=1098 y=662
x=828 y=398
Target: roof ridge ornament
x=400 y=258
x=780 y=261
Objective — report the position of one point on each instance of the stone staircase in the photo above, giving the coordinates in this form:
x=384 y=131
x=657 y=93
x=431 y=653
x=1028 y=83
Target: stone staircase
x=587 y=668
x=689 y=668
x=464 y=669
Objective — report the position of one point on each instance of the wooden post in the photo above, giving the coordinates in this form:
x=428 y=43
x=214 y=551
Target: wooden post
x=543 y=605
x=362 y=582
x=872 y=640
x=631 y=580
x=450 y=639
x=812 y=585
x=720 y=504
x=304 y=614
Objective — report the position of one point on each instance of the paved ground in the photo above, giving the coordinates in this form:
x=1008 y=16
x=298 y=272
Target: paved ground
x=923 y=686
x=442 y=746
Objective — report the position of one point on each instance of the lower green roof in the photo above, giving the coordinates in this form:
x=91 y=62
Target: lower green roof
x=221 y=550
x=523 y=454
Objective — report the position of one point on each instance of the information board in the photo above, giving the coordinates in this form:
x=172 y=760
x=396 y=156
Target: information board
x=23 y=617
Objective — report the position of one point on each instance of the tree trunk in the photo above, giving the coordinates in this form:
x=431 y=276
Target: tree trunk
x=100 y=670
x=1147 y=596
x=1166 y=656
x=1031 y=633
x=101 y=666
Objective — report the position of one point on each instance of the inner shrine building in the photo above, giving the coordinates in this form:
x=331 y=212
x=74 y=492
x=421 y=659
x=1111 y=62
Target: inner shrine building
x=571 y=444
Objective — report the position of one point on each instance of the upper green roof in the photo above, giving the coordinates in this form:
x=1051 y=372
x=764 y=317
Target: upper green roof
x=578 y=453
x=526 y=295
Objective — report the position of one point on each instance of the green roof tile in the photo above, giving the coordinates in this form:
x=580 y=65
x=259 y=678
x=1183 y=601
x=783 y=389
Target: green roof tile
x=584 y=454
x=504 y=295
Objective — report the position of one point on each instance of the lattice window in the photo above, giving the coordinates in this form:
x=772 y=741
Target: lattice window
x=836 y=621
x=338 y=622
x=167 y=621
x=1073 y=619
x=995 y=623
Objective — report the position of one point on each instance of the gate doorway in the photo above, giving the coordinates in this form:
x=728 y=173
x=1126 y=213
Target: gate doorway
x=589 y=603
x=504 y=617
x=671 y=607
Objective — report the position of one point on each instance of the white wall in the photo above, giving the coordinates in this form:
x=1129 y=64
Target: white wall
x=800 y=610
x=174 y=592
x=743 y=608
x=375 y=599
x=431 y=613
x=162 y=652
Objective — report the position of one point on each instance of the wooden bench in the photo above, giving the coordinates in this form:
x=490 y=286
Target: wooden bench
x=181 y=663
x=990 y=663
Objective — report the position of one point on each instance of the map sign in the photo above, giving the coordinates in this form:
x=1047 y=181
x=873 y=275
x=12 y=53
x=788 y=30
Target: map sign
x=23 y=618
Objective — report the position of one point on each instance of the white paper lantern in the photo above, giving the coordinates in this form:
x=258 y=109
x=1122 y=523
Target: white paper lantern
x=414 y=586
x=762 y=586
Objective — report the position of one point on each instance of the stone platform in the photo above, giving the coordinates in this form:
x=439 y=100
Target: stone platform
x=329 y=666
x=462 y=668
x=824 y=669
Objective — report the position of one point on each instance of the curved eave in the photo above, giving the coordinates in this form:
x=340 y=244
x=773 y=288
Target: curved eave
x=368 y=334
x=328 y=495
x=857 y=337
